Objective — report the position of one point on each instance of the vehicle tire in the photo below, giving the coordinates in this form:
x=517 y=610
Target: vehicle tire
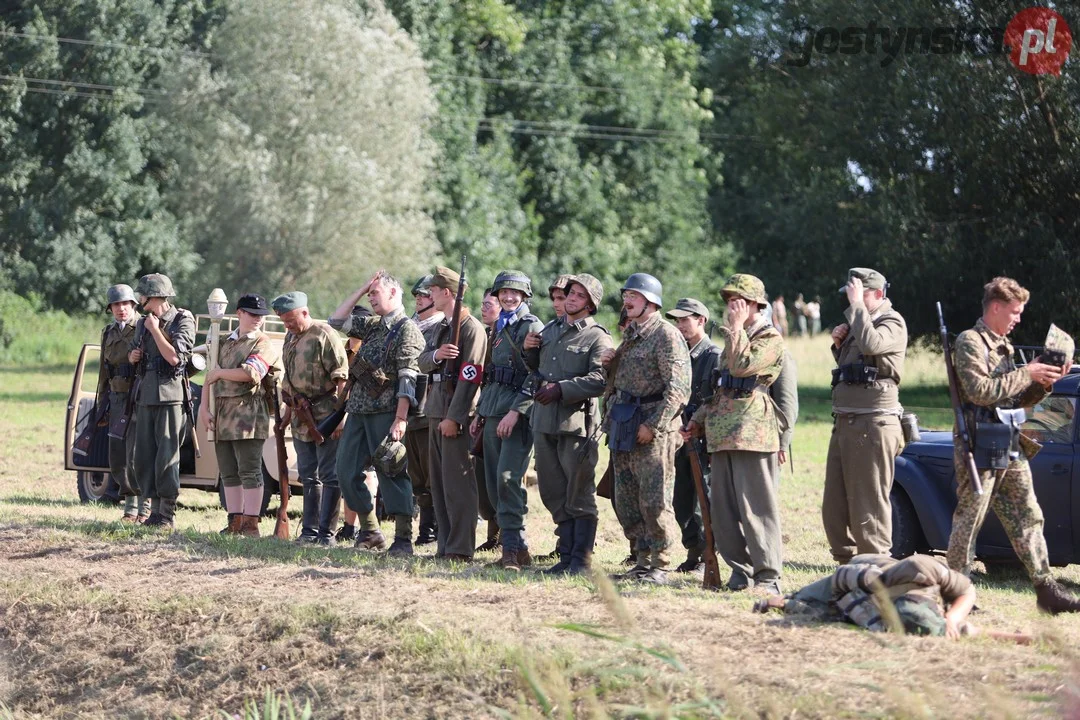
x=907 y=533
x=270 y=489
x=97 y=487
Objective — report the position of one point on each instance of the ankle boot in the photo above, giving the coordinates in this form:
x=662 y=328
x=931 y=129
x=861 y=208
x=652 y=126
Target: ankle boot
x=329 y=510
x=1054 y=599
x=233 y=528
x=166 y=513
x=584 y=539
x=565 y=545
x=249 y=525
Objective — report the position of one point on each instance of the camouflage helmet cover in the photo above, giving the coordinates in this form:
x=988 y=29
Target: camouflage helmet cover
x=745 y=286
x=593 y=287
x=514 y=280
x=389 y=457
x=559 y=283
x=155 y=285
x=647 y=285
x=119 y=293
x=423 y=286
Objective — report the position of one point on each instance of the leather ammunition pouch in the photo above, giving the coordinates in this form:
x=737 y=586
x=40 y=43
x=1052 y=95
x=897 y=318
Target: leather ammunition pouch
x=506 y=375
x=738 y=387
x=373 y=380
x=995 y=445
x=119 y=370
x=162 y=367
x=854 y=374
x=625 y=419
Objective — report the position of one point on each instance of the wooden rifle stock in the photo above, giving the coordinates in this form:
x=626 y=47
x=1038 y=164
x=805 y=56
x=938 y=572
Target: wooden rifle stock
x=711 y=581
x=958 y=410
x=281 y=526
x=453 y=366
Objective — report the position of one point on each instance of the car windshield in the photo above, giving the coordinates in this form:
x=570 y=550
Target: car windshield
x=1051 y=421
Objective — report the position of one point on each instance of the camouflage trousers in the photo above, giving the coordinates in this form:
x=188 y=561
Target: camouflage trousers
x=1012 y=496
x=644 y=484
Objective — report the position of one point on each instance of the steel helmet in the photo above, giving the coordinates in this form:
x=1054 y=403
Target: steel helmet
x=647 y=285
x=155 y=285
x=559 y=283
x=422 y=286
x=119 y=293
x=745 y=286
x=593 y=287
x=513 y=279
x=390 y=457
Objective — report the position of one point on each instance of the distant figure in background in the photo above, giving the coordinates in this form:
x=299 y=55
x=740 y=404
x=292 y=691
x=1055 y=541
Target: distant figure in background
x=813 y=314
x=779 y=311
x=800 y=314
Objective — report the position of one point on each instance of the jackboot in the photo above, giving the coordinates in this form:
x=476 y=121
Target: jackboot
x=309 y=521
x=249 y=525
x=564 y=546
x=584 y=540
x=1052 y=598
x=428 y=529
x=329 y=510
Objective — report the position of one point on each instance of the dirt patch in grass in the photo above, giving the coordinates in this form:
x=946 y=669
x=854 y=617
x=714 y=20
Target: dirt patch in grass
x=167 y=626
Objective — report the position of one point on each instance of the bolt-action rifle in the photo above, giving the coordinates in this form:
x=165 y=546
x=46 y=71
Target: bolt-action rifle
x=958 y=410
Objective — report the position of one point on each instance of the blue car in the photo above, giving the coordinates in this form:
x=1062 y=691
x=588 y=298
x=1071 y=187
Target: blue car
x=924 y=492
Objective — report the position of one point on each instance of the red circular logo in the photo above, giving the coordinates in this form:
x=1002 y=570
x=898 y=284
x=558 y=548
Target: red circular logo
x=1038 y=40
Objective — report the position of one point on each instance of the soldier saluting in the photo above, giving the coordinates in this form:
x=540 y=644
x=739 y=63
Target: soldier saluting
x=869 y=350
x=988 y=379
x=567 y=356
x=161 y=348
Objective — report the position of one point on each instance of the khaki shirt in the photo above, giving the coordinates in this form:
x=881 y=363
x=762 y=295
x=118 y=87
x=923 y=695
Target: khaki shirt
x=472 y=347
x=879 y=340
x=570 y=356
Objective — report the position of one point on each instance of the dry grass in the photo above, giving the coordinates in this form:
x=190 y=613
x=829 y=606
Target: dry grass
x=103 y=620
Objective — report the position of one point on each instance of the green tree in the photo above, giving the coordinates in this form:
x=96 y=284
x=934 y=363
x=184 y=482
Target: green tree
x=80 y=201
x=302 y=149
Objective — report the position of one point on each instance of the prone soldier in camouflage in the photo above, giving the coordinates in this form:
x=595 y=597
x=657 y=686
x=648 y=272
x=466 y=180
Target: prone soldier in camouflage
x=385 y=370
x=453 y=479
x=160 y=350
x=742 y=431
x=566 y=357
x=928 y=598
x=115 y=376
x=652 y=386
x=314 y=372
x=691 y=316
x=427 y=319
x=505 y=403
x=866 y=437
x=241 y=420
x=988 y=379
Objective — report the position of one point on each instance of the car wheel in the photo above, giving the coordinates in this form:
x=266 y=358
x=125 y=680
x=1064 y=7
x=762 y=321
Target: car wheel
x=907 y=532
x=97 y=487
x=270 y=489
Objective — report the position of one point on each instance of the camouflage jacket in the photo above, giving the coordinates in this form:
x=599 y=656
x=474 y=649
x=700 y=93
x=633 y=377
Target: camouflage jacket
x=241 y=412
x=745 y=423
x=654 y=360
x=115 y=373
x=382 y=362
x=987 y=375
x=161 y=385
x=313 y=362
x=879 y=340
x=418 y=420
x=472 y=347
x=499 y=398
x=570 y=356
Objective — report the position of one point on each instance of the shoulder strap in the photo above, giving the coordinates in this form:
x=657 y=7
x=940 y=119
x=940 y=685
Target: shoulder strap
x=514 y=346
x=391 y=335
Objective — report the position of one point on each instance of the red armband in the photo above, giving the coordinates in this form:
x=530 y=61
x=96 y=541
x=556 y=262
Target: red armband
x=471 y=373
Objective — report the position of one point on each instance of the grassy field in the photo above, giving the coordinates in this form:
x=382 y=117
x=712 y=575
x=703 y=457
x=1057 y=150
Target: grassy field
x=98 y=619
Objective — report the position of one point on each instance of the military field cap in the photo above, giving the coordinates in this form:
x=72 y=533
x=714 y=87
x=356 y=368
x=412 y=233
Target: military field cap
x=745 y=286
x=688 y=306
x=155 y=285
x=444 y=277
x=289 y=301
x=252 y=303
x=871 y=279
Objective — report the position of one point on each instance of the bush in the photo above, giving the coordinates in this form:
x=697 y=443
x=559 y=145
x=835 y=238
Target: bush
x=31 y=335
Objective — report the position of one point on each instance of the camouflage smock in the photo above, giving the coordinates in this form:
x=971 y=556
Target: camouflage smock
x=654 y=359
x=398 y=359
x=241 y=412
x=569 y=354
x=115 y=372
x=313 y=361
x=987 y=375
x=745 y=423
x=497 y=399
